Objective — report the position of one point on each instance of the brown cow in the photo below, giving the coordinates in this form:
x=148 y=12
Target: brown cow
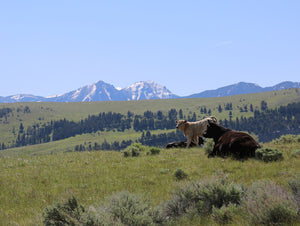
x=192 y=130
x=230 y=142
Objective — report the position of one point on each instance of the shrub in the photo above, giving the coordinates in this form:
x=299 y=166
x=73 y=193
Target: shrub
x=225 y=214
x=125 y=208
x=134 y=150
x=208 y=145
x=295 y=153
x=202 y=197
x=68 y=213
x=268 y=154
x=154 y=150
x=218 y=193
x=287 y=139
x=267 y=203
x=294 y=184
x=179 y=174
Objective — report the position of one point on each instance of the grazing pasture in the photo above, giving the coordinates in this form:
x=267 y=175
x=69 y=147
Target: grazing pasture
x=30 y=183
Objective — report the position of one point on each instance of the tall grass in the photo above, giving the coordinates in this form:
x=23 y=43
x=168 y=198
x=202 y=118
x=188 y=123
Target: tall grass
x=30 y=183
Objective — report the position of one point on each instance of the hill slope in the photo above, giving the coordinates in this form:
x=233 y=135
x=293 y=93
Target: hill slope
x=243 y=88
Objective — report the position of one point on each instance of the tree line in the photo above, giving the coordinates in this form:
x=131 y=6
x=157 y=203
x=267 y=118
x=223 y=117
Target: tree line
x=267 y=124
x=148 y=139
x=105 y=121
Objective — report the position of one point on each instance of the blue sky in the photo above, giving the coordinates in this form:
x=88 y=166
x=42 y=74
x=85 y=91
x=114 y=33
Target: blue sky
x=52 y=47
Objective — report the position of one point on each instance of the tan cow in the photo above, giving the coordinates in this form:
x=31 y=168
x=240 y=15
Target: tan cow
x=192 y=130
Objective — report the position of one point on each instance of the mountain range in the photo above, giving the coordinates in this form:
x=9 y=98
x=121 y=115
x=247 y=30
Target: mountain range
x=101 y=91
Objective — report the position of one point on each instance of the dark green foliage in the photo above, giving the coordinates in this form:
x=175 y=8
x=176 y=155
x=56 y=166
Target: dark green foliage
x=4 y=112
x=161 y=139
x=268 y=154
x=283 y=120
x=263 y=105
x=203 y=196
x=68 y=213
x=268 y=204
x=179 y=174
x=154 y=151
x=134 y=150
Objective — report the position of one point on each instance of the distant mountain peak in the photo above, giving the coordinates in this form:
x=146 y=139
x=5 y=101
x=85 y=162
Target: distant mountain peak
x=243 y=88
x=102 y=91
x=149 y=90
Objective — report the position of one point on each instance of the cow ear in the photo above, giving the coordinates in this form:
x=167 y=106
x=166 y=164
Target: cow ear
x=176 y=121
x=185 y=121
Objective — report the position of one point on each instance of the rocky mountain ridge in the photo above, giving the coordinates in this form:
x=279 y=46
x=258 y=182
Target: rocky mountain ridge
x=101 y=91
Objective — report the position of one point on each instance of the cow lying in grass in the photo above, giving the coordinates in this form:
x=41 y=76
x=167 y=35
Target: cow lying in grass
x=182 y=144
x=192 y=130
x=230 y=142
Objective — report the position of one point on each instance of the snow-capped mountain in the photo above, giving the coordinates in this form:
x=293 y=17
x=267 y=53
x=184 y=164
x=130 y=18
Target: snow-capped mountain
x=101 y=91
x=22 y=98
x=149 y=90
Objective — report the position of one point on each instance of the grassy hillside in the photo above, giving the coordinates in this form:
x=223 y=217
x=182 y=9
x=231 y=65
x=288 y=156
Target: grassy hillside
x=30 y=183
x=41 y=113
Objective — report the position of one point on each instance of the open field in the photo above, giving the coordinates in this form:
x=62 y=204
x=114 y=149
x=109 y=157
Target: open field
x=30 y=183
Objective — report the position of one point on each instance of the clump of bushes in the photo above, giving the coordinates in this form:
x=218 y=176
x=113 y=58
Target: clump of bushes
x=262 y=203
x=225 y=214
x=268 y=204
x=136 y=149
x=268 y=154
x=295 y=153
x=67 y=213
x=179 y=174
x=287 y=139
x=154 y=151
x=202 y=197
x=125 y=208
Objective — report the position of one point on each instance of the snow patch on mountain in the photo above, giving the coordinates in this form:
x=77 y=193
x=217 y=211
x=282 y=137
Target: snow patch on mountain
x=101 y=91
x=149 y=90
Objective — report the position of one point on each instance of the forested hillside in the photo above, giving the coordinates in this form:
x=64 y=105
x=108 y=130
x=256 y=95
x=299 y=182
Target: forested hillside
x=267 y=124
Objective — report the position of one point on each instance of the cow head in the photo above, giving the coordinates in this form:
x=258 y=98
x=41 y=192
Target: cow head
x=180 y=124
x=210 y=130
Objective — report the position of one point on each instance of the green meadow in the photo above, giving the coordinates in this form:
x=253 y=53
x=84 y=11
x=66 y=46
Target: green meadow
x=30 y=183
